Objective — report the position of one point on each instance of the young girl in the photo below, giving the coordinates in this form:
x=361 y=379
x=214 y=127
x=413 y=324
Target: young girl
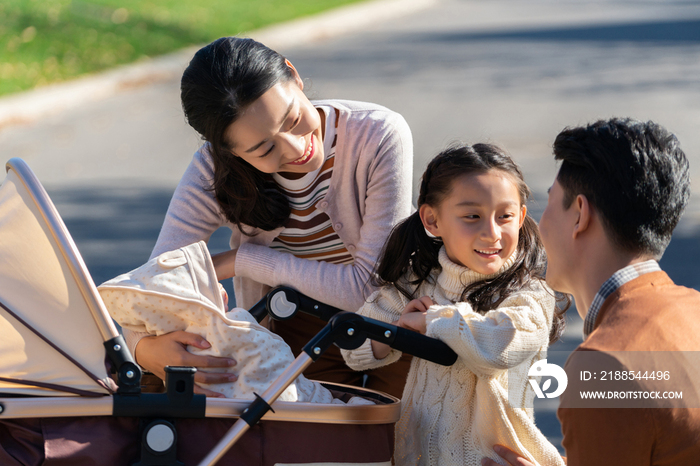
x=467 y=268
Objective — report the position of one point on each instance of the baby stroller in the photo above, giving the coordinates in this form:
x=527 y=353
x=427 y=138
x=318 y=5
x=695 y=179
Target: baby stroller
x=71 y=393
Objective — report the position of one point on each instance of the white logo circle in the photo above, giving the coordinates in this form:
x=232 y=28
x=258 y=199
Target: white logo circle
x=542 y=369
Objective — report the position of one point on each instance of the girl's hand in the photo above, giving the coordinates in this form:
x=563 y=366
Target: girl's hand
x=413 y=315
x=418 y=305
x=224 y=295
x=225 y=264
x=154 y=353
x=507 y=454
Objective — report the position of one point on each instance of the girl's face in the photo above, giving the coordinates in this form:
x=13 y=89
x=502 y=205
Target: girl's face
x=280 y=132
x=479 y=220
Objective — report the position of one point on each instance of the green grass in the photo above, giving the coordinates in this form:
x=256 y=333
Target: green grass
x=47 y=41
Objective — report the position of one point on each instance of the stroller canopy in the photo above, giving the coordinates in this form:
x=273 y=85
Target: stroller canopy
x=52 y=320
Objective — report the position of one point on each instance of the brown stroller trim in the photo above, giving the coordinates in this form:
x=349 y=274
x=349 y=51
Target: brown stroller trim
x=117 y=441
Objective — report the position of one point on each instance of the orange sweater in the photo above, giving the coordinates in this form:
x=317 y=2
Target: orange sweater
x=647 y=314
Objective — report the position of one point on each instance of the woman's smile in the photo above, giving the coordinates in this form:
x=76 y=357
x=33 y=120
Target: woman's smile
x=308 y=154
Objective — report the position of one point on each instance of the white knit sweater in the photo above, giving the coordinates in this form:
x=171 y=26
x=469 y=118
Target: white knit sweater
x=454 y=415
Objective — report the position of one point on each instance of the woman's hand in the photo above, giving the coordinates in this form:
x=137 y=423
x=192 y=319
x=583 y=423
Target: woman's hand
x=413 y=315
x=225 y=264
x=507 y=454
x=154 y=353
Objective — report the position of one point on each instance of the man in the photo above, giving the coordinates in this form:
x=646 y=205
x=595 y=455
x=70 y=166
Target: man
x=619 y=193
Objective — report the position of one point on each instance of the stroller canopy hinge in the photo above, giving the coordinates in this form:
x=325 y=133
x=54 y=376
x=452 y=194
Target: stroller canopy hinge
x=128 y=372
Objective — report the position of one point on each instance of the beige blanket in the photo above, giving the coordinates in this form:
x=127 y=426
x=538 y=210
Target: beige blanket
x=178 y=290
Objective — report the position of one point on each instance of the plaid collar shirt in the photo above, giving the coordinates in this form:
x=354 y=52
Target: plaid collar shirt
x=618 y=279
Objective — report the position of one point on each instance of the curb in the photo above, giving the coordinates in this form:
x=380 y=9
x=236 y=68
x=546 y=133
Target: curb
x=29 y=106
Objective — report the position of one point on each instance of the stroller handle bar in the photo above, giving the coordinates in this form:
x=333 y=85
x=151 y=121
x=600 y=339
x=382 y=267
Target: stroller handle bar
x=350 y=330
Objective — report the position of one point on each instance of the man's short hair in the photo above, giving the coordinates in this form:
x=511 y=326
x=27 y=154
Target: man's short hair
x=634 y=174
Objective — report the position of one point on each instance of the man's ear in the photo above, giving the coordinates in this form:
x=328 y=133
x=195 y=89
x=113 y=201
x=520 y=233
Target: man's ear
x=295 y=74
x=583 y=208
x=429 y=218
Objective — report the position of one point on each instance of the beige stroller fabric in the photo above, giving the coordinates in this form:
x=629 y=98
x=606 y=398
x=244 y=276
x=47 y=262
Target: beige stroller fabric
x=178 y=290
x=49 y=336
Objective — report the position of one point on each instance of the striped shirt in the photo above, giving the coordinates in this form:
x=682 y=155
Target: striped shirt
x=618 y=279
x=308 y=232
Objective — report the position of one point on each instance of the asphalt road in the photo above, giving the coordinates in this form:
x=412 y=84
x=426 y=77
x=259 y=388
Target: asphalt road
x=504 y=71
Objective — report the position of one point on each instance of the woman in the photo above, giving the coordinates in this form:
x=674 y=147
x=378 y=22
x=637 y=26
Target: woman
x=309 y=190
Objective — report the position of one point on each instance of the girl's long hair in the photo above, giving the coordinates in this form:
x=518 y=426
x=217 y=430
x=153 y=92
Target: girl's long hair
x=223 y=79
x=410 y=255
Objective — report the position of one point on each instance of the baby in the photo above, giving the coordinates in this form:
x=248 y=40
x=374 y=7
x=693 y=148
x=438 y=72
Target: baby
x=178 y=290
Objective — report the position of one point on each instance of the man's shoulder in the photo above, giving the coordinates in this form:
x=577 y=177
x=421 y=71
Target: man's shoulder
x=648 y=313
x=655 y=282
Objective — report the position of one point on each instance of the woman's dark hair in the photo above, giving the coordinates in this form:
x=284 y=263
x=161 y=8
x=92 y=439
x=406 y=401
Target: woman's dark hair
x=221 y=81
x=410 y=252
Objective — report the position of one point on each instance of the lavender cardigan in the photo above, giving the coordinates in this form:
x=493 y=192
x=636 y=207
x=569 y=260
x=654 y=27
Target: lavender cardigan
x=370 y=192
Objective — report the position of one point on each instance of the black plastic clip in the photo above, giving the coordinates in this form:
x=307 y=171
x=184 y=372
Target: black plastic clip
x=128 y=372
x=257 y=409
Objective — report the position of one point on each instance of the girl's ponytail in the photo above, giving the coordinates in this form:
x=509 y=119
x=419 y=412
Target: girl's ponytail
x=408 y=257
